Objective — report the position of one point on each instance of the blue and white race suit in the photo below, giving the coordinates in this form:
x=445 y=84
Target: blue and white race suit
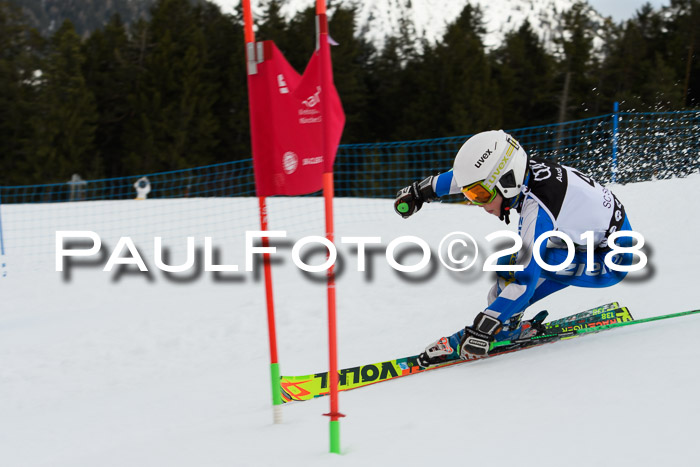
x=553 y=198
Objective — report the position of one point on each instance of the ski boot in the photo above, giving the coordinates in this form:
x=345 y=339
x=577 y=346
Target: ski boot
x=534 y=327
x=514 y=328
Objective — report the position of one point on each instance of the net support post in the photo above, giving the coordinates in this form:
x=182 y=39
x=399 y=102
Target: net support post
x=615 y=134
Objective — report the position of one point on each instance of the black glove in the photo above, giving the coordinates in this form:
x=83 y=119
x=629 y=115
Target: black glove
x=410 y=199
x=477 y=339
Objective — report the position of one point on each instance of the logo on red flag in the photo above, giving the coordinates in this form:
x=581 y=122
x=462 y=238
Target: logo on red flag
x=290 y=162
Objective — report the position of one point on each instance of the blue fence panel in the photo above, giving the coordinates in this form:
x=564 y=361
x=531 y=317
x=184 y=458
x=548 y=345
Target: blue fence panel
x=377 y=170
x=218 y=180
x=658 y=145
x=648 y=146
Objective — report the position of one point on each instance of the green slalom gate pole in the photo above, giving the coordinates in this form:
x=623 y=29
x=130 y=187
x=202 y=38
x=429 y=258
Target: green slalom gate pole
x=603 y=327
x=275 y=382
x=334 y=433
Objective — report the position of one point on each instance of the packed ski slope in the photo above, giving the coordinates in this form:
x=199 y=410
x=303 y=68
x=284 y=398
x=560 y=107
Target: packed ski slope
x=146 y=370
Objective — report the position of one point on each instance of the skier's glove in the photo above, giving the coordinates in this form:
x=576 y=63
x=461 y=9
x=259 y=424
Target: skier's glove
x=410 y=199
x=476 y=340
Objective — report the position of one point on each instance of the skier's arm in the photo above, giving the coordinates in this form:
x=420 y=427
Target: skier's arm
x=410 y=199
x=515 y=296
x=444 y=184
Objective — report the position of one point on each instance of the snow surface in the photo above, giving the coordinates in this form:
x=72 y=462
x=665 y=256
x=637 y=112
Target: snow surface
x=105 y=369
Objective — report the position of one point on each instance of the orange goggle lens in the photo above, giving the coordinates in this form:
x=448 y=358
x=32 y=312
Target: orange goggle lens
x=477 y=193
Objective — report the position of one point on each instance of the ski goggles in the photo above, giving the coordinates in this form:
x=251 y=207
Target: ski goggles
x=478 y=193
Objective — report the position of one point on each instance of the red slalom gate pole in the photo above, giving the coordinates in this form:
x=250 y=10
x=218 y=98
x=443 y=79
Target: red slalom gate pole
x=271 y=328
x=248 y=22
x=334 y=426
x=262 y=201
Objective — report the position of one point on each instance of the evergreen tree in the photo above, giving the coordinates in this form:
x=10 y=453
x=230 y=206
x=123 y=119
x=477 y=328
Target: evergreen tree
x=64 y=116
x=108 y=75
x=525 y=75
x=635 y=71
x=85 y=15
x=388 y=82
x=19 y=55
x=298 y=41
x=456 y=93
x=683 y=48
x=606 y=79
x=170 y=92
x=226 y=65
x=350 y=67
x=173 y=126
x=273 y=26
x=385 y=90
x=578 y=65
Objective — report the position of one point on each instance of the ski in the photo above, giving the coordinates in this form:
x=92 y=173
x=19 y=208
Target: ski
x=298 y=388
x=572 y=319
x=590 y=328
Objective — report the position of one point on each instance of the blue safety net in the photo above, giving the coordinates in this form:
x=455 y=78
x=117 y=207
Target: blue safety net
x=622 y=147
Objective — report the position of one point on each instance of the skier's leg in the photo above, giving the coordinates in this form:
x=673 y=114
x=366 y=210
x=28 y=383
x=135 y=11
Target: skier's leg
x=550 y=282
x=577 y=273
x=512 y=327
x=503 y=278
x=447 y=348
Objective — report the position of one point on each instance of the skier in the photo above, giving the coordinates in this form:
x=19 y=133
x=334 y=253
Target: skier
x=493 y=171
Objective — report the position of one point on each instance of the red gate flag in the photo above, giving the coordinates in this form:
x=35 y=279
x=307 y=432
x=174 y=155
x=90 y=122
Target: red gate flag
x=295 y=134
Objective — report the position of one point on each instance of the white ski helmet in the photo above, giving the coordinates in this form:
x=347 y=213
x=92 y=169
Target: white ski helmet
x=494 y=158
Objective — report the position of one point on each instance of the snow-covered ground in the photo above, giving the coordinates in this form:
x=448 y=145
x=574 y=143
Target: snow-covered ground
x=135 y=369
